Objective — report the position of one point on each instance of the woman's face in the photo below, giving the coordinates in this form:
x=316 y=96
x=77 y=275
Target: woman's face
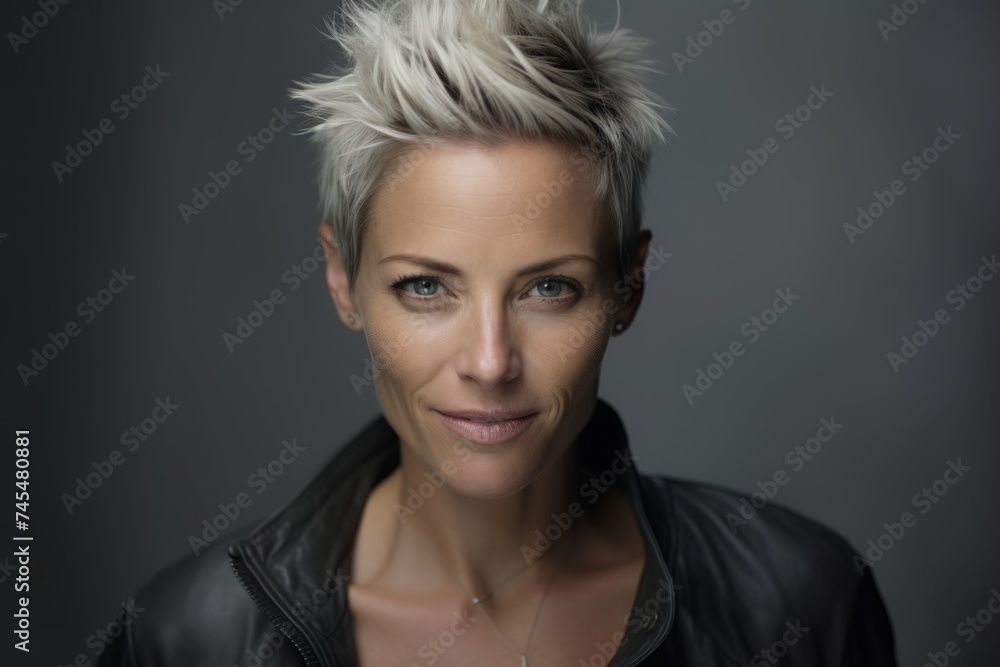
x=487 y=281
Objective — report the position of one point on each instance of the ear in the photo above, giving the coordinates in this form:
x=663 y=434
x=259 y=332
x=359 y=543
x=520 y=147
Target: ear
x=337 y=281
x=636 y=284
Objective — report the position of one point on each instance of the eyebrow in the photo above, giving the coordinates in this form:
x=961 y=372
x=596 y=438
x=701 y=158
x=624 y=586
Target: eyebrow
x=443 y=267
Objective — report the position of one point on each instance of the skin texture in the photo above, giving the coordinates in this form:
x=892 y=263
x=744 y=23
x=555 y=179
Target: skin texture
x=488 y=334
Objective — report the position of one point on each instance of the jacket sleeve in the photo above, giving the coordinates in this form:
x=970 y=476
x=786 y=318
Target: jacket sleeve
x=870 y=639
x=120 y=652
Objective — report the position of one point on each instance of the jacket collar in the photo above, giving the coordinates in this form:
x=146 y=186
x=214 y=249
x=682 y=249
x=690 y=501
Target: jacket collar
x=296 y=564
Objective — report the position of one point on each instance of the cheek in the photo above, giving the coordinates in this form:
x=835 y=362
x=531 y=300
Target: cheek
x=403 y=353
x=571 y=349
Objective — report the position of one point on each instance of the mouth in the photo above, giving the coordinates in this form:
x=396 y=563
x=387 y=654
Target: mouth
x=487 y=428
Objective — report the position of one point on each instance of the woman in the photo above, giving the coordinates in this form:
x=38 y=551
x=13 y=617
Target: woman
x=481 y=180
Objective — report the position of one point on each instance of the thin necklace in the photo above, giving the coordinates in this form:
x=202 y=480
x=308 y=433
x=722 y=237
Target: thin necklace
x=478 y=601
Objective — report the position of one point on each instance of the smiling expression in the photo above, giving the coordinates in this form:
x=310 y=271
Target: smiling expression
x=485 y=282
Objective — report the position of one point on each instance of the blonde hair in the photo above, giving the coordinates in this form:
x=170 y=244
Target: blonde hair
x=489 y=71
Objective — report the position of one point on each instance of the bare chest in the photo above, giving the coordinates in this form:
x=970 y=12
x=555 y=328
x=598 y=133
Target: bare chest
x=580 y=619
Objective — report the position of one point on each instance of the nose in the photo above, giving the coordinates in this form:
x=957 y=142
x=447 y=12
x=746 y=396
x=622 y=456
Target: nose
x=488 y=353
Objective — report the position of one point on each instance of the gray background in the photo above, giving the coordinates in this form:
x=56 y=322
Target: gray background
x=162 y=336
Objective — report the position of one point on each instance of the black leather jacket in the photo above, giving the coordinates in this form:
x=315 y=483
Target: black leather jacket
x=780 y=589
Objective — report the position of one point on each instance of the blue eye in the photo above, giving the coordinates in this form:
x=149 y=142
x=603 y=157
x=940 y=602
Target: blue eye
x=423 y=285
x=427 y=288
x=550 y=287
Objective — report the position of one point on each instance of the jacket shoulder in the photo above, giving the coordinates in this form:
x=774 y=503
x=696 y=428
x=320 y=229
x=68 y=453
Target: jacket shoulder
x=770 y=572
x=192 y=612
x=758 y=525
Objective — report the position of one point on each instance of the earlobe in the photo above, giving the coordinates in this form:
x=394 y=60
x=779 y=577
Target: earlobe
x=336 y=279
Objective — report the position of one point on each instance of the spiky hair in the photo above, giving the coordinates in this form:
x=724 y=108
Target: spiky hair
x=487 y=71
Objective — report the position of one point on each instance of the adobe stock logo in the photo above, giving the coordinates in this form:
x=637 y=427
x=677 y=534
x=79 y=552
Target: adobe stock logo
x=752 y=329
x=416 y=497
x=779 y=648
x=294 y=276
x=248 y=149
x=122 y=106
x=59 y=341
x=30 y=25
x=915 y=167
x=103 y=469
x=924 y=500
x=229 y=512
x=968 y=630
x=697 y=44
x=927 y=329
x=898 y=18
x=102 y=638
x=786 y=125
x=796 y=458
x=592 y=490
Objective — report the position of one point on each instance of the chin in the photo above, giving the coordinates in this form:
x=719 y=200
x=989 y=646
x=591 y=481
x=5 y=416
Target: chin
x=491 y=471
x=491 y=479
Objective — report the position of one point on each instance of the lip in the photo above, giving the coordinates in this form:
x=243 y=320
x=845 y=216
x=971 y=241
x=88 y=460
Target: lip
x=487 y=428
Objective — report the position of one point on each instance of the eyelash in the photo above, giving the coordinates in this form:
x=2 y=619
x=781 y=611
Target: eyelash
x=558 y=277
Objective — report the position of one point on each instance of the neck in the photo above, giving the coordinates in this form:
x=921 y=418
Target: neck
x=480 y=542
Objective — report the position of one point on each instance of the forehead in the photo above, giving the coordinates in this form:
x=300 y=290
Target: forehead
x=510 y=200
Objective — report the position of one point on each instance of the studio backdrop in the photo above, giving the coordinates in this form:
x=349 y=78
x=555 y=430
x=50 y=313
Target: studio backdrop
x=824 y=263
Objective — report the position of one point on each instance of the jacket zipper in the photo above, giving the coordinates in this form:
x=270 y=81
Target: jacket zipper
x=279 y=619
x=633 y=481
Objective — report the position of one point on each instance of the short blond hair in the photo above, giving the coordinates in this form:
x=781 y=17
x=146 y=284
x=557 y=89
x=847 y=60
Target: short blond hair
x=487 y=71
